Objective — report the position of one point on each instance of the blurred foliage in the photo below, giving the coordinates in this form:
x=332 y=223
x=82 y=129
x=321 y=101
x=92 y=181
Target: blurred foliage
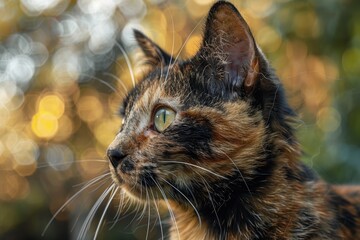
x=63 y=73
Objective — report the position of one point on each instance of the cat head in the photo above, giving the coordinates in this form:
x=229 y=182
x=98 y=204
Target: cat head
x=205 y=120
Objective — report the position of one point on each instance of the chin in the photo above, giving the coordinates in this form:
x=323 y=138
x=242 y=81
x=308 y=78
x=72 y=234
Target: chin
x=135 y=192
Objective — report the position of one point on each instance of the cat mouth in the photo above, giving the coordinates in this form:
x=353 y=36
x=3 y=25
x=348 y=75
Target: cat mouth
x=142 y=187
x=141 y=192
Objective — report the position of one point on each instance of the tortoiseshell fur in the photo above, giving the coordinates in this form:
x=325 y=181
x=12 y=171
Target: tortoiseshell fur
x=231 y=152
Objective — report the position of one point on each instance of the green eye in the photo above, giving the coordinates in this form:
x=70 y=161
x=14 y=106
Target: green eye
x=163 y=118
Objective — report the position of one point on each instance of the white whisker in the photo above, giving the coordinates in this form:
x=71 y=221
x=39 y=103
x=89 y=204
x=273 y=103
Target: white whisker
x=118 y=80
x=105 y=83
x=127 y=60
x=162 y=61
x=211 y=201
x=105 y=209
x=120 y=206
x=187 y=39
x=86 y=225
x=172 y=49
x=172 y=215
x=193 y=165
x=158 y=214
x=45 y=165
x=85 y=182
x=148 y=222
x=192 y=205
x=242 y=177
x=72 y=198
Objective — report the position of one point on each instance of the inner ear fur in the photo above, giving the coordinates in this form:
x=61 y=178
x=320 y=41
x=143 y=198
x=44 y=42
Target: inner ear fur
x=227 y=32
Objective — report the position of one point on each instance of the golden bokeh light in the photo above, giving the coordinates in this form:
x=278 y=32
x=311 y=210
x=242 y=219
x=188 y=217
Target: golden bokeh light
x=259 y=8
x=2 y=150
x=13 y=186
x=67 y=127
x=197 y=8
x=269 y=39
x=44 y=124
x=204 y=2
x=89 y=108
x=193 y=44
x=53 y=104
x=174 y=14
x=26 y=170
x=173 y=42
x=25 y=152
x=106 y=130
x=91 y=164
x=155 y=17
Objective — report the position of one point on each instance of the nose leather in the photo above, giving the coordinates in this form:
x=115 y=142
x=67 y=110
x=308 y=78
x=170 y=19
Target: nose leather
x=115 y=156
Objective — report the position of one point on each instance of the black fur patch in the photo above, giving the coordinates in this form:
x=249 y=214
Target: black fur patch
x=344 y=216
x=304 y=174
x=348 y=220
x=194 y=137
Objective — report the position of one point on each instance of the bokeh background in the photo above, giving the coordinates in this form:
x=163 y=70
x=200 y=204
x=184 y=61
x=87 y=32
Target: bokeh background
x=63 y=73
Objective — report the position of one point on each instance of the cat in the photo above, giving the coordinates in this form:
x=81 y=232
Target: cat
x=211 y=138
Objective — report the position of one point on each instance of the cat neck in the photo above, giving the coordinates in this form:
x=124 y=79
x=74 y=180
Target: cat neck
x=237 y=213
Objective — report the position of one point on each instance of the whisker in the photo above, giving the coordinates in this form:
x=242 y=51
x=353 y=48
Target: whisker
x=187 y=39
x=242 y=177
x=127 y=60
x=192 y=205
x=273 y=104
x=84 y=183
x=70 y=199
x=105 y=209
x=136 y=212
x=172 y=215
x=118 y=80
x=193 y=165
x=206 y=184
x=172 y=49
x=142 y=214
x=45 y=165
x=120 y=206
x=101 y=182
x=148 y=222
x=86 y=225
x=74 y=224
x=105 y=83
x=162 y=61
x=158 y=214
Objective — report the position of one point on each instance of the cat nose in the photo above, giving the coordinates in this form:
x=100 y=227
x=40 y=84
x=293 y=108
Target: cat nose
x=115 y=157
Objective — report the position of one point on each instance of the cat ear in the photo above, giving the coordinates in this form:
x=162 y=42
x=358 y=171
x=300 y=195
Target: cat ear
x=154 y=54
x=228 y=35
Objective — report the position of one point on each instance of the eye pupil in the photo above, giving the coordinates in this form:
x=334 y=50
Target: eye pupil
x=163 y=119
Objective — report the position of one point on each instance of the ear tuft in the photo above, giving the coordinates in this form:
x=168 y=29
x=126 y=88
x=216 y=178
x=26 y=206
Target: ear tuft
x=154 y=54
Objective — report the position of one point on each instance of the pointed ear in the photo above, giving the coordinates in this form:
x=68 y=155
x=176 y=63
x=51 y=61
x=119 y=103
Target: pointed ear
x=228 y=35
x=155 y=56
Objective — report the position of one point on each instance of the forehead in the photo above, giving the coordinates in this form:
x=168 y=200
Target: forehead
x=160 y=84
